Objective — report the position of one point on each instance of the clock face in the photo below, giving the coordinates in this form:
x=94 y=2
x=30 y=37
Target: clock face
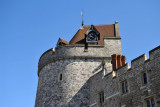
x=92 y=37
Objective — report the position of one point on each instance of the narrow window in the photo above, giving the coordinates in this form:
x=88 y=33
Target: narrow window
x=153 y=103
x=150 y=102
x=145 y=78
x=60 y=77
x=101 y=97
x=124 y=87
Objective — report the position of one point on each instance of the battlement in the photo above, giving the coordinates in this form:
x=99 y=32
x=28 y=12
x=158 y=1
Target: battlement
x=46 y=56
x=77 y=51
x=154 y=53
x=70 y=52
x=141 y=81
x=140 y=61
x=68 y=74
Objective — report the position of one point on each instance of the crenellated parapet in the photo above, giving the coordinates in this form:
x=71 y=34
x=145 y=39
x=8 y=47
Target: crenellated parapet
x=89 y=71
x=75 y=51
x=141 y=63
x=128 y=86
x=154 y=53
x=138 y=61
x=46 y=57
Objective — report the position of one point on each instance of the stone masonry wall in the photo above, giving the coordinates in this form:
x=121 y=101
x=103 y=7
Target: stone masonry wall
x=111 y=46
x=138 y=92
x=73 y=89
x=76 y=67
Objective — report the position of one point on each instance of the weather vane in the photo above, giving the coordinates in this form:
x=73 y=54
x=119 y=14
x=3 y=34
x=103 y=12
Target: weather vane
x=82 y=17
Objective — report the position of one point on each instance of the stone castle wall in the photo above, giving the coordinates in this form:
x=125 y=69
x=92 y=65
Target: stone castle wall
x=138 y=92
x=73 y=89
x=76 y=67
x=111 y=46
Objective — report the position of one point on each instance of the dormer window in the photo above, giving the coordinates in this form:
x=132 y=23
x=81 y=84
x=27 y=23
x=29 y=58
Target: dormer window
x=62 y=42
x=92 y=35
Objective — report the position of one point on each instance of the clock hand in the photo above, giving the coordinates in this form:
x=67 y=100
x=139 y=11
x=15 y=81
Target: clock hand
x=91 y=37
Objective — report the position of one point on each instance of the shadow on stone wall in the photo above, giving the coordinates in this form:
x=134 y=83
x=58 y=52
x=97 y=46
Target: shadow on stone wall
x=97 y=69
x=81 y=98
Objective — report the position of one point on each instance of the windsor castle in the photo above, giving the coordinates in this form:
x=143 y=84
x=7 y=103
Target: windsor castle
x=90 y=71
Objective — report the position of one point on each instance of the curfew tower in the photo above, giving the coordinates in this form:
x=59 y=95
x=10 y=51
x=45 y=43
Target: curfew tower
x=64 y=72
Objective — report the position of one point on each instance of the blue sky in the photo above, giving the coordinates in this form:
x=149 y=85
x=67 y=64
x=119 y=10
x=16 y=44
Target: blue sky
x=30 y=27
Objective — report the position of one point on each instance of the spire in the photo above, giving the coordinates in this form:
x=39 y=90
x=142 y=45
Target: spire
x=82 y=17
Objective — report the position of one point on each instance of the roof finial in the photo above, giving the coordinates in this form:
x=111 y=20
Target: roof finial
x=82 y=17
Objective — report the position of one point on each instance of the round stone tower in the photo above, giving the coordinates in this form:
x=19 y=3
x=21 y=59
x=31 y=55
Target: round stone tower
x=64 y=72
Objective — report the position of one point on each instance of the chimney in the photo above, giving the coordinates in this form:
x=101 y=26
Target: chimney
x=114 y=62
x=123 y=60
x=118 y=61
x=116 y=29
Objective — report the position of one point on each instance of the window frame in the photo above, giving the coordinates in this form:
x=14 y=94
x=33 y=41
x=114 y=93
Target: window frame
x=124 y=87
x=149 y=102
x=101 y=97
x=145 y=80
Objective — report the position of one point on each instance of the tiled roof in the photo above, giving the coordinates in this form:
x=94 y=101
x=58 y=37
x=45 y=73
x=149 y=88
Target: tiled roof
x=104 y=30
x=64 y=41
